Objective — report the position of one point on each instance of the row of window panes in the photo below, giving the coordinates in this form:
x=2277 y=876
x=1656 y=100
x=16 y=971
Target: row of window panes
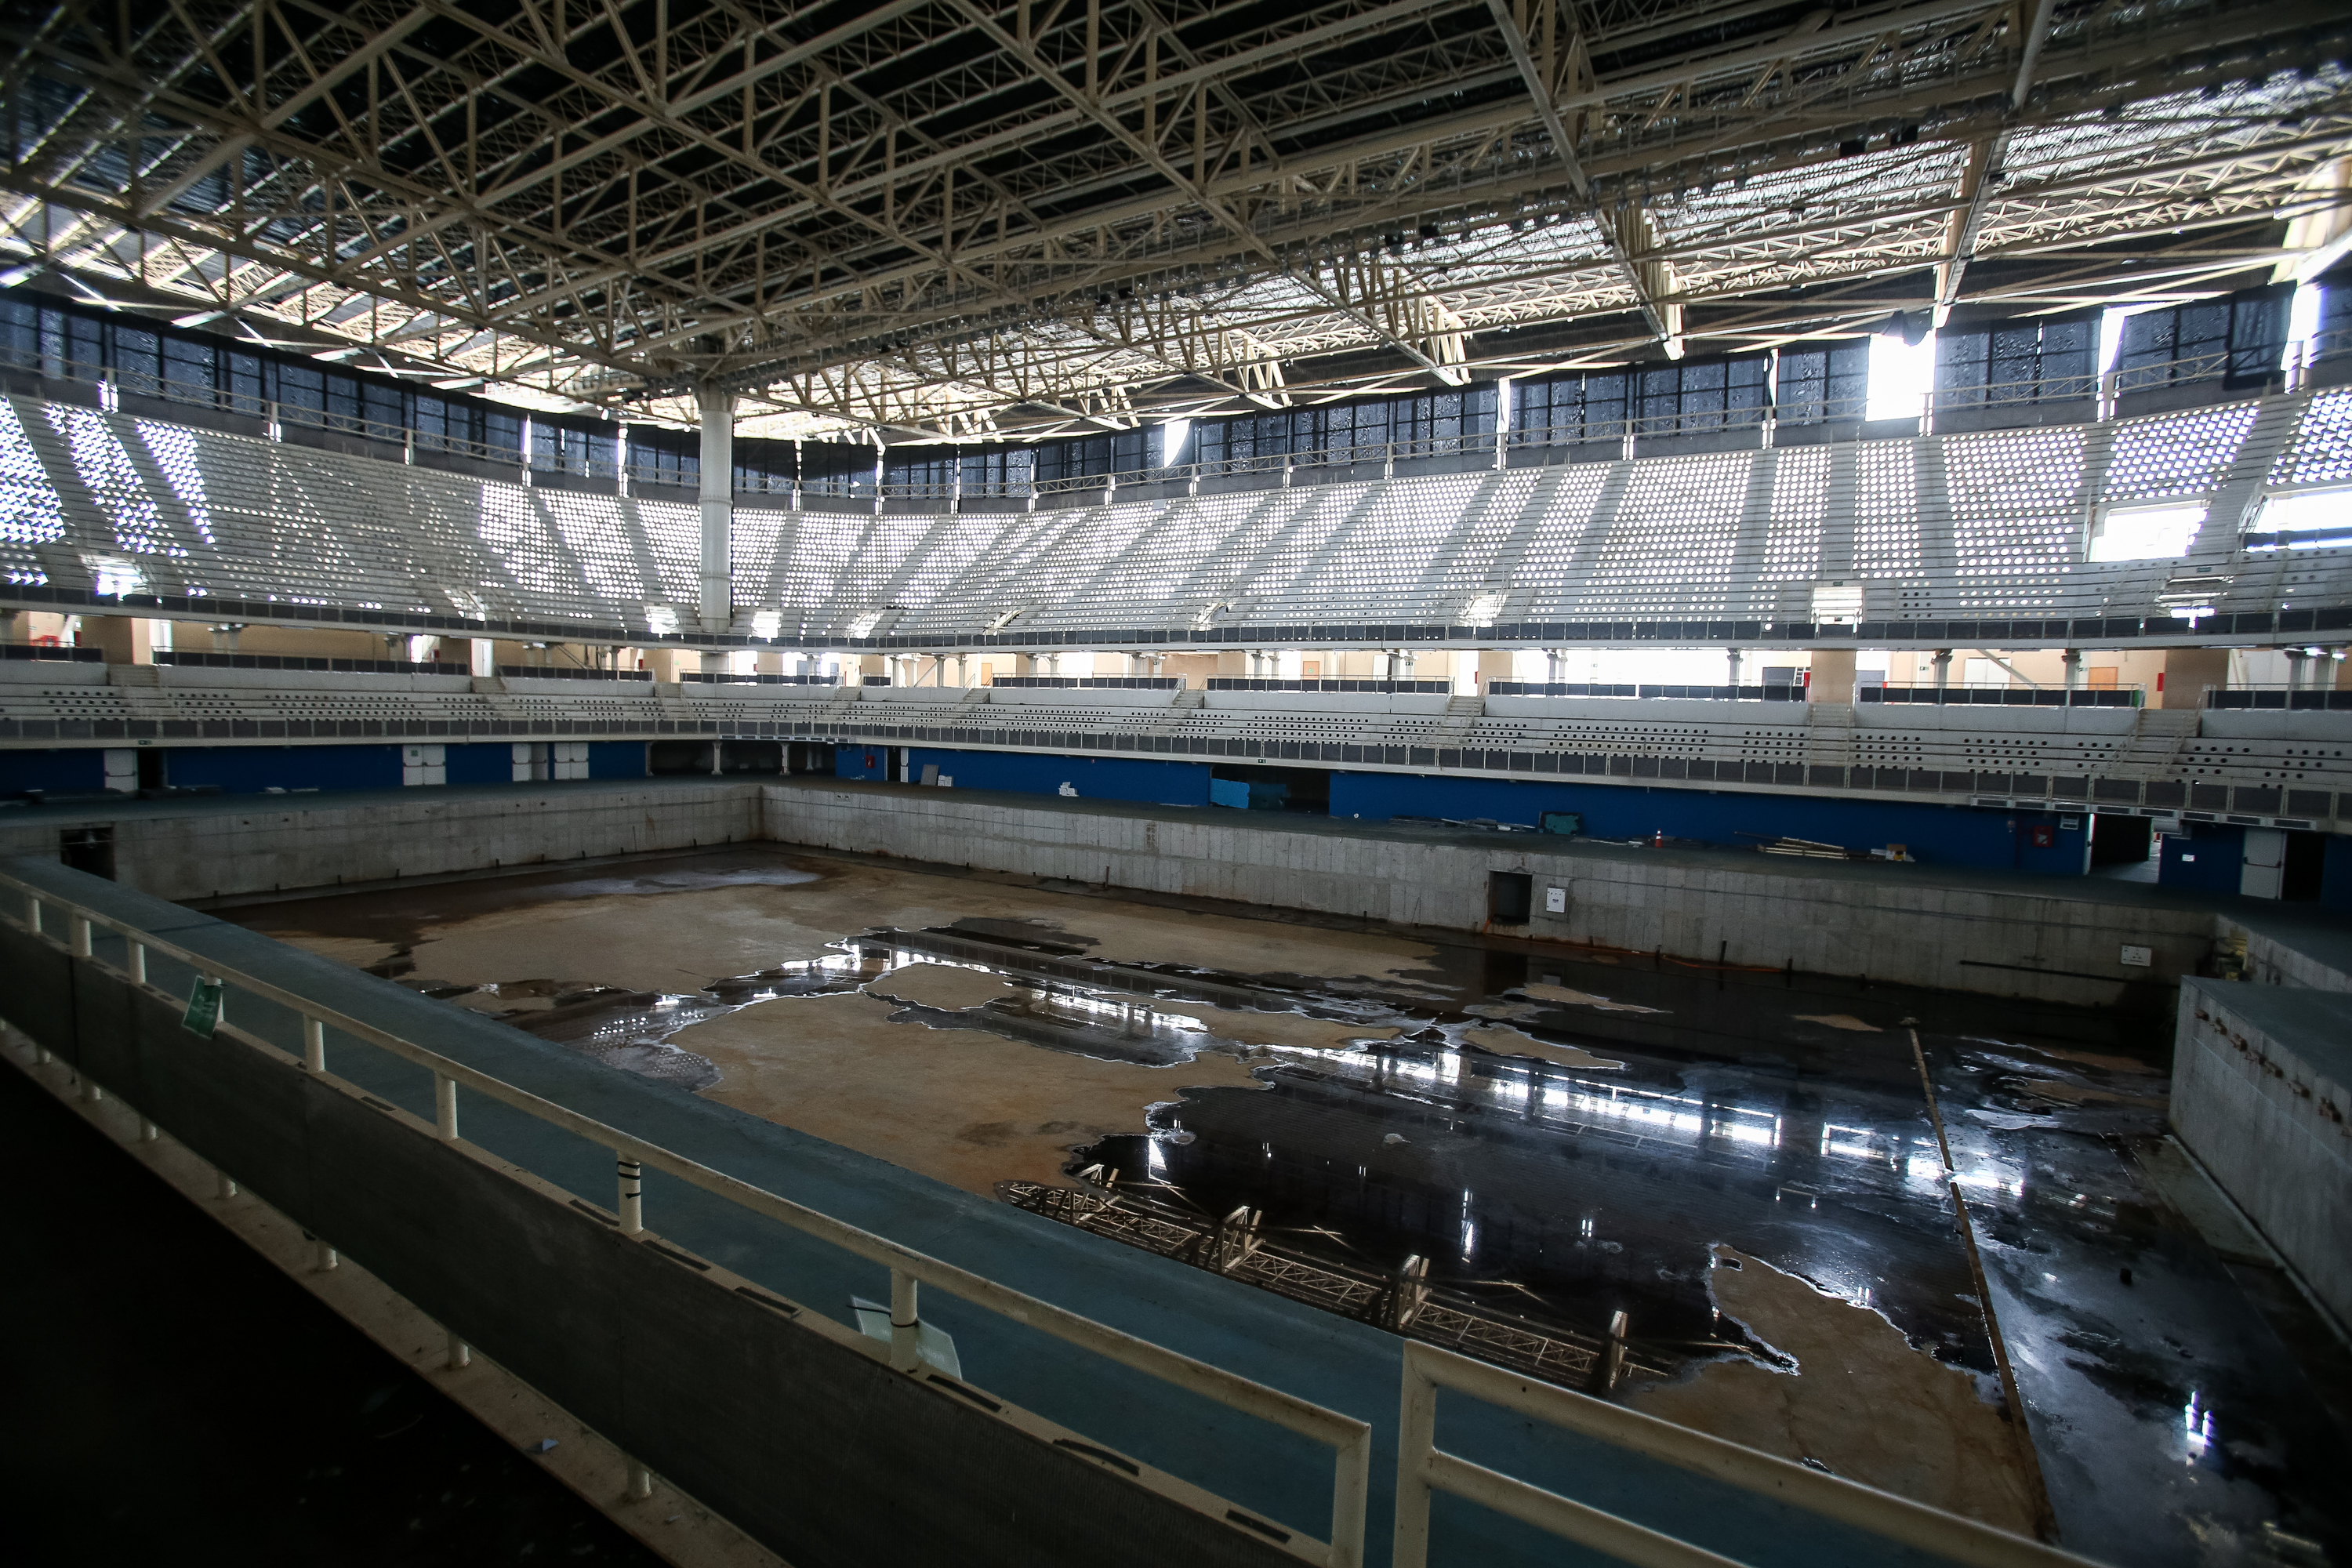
x=60 y=342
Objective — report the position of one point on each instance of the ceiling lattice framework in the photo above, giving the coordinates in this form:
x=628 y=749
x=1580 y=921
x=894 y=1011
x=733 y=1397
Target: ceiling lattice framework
x=963 y=216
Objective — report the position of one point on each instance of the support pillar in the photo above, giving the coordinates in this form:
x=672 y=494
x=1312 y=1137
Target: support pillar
x=717 y=495
x=2187 y=671
x=125 y=639
x=1734 y=660
x=1943 y=669
x=2072 y=662
x=1833 y=676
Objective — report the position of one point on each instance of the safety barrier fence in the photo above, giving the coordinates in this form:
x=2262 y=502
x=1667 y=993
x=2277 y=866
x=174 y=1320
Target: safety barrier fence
x=2285 y=699
x=1423 y=1468
x=1775 y=692
x=2007 y=696
x=76 y=927
x=1341 y=683
x=52 y=652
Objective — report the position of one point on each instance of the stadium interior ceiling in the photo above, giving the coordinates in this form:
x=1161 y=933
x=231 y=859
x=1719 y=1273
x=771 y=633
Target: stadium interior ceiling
x=956 y=219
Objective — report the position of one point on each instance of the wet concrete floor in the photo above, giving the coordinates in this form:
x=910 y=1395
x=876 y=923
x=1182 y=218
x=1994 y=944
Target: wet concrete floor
x=1745 y=1163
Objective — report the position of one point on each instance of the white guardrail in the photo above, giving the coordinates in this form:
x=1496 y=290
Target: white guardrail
x=1350 y=1439
x=1422 y=1466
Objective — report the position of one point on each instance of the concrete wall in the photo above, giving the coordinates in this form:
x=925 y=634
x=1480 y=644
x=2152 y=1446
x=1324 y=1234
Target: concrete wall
x=206 y=849
x=2261 y=1092
x=770 y=1415
x=1936 y=835
x=1919 y=925
x=1890 y=923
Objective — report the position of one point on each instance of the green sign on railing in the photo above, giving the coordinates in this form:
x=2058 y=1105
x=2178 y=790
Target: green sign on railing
x=203 y=1008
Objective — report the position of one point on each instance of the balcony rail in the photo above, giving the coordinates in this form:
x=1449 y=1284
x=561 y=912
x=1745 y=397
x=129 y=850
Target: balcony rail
x=2279 y=697
x=1423 y=1468
x=54 y=652
x=1770 y=693
x=1092 y=682
x=47 y=916
x=198 y=660
x=2007 y=696
x=1341 y=683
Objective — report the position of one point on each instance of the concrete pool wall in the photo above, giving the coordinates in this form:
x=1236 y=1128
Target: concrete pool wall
x=2003 y=933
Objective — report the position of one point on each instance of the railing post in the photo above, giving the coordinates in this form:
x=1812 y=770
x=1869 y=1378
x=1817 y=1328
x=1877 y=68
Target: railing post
x=81 y=939
x=445 y=1107
x=224 y=1184
x=633 y=1196
x=461 y=1354
x=1351 y=1485
x=138 y=958
x=314 y=1044
x=1416 y=1437
x=641 y=1482
x=906 y=1326
x=33 y=912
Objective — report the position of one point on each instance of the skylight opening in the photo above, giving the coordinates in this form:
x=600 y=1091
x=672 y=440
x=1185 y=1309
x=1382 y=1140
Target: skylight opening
x=2306 y=519
x=1900 y=376
x=2147 y=532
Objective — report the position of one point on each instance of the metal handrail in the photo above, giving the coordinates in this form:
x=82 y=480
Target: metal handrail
x=1423 y=1467
x=1350 y=1439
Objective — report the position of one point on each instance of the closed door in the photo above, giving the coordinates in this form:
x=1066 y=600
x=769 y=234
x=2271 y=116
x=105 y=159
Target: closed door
x=2266 y=868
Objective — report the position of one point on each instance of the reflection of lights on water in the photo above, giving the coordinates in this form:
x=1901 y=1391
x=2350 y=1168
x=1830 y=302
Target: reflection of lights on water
x=1991 y=1180
x=2199 y=1422
x=1647 y=1114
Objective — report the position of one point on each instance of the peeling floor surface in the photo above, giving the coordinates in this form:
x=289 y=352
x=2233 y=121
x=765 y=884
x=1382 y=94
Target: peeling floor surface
x=1745 y=1163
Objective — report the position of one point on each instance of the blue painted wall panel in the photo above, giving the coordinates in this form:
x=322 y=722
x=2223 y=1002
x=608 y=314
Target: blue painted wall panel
x=1937 y=835
x=77 y=771
x=480 y=763
x=1095 y=778
x=617 y=759
x=2210 y=859
x=2335 y=873
x=853 y=760
x=245 y=769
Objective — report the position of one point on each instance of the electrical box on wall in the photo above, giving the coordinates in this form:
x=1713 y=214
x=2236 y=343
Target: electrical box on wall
x=1555 y=900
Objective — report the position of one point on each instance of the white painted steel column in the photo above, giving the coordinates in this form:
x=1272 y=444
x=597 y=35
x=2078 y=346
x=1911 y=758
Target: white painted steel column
x=906 y=1326
x=314 y=1044
x=718 y=495
x=1416 y=1435
x=633 y=1196
x=445 y=1107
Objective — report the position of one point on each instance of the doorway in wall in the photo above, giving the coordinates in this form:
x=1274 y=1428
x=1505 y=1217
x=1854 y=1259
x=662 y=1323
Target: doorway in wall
x=1510 y=896
x=2306 y=860
x=90 y=849
x=2123 y=847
